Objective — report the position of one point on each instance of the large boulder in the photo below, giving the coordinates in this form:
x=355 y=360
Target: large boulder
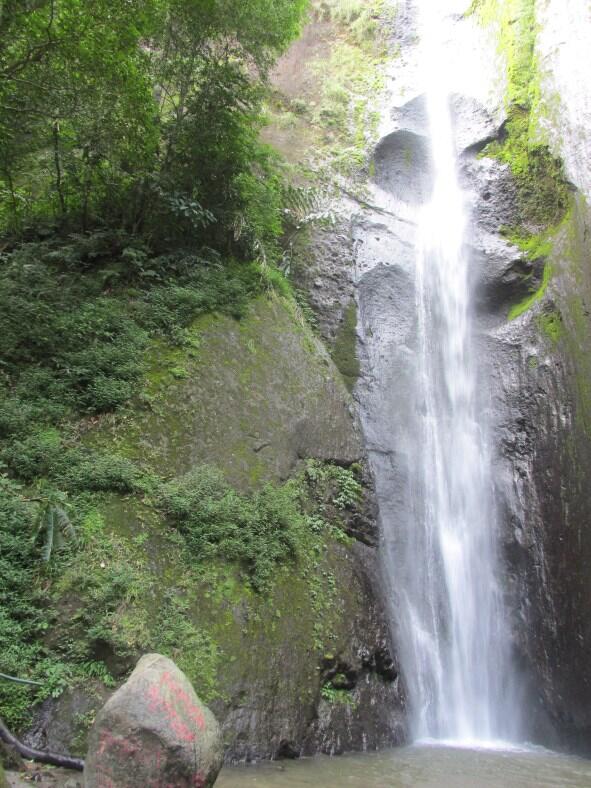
x=154 y=732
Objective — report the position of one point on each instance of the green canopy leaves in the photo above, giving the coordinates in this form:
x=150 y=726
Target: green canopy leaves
x=110 y=112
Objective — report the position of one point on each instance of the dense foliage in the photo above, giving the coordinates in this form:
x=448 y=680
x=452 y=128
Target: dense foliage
x=135 y=195
x=140 y=115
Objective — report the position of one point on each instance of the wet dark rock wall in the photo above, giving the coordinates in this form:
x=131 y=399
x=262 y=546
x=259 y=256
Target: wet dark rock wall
x=541 y=387
x=539 y=368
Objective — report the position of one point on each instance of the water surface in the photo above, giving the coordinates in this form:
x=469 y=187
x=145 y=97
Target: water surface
x=419 y=767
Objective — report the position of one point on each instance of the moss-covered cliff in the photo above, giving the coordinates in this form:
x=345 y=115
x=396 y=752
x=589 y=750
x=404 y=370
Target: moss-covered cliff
x=281 y=632
x=185 y=454
x=542 y=380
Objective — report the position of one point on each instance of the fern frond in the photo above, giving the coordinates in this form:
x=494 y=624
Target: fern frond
x=307 y=204
x=64 y=523
x=49 y=534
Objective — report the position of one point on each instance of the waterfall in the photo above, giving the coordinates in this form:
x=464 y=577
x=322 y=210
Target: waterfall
x=452 y=624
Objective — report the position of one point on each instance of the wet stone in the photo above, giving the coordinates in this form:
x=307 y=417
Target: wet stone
x=154 y=732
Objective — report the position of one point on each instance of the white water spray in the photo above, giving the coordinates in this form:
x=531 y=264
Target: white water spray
x=454 y=635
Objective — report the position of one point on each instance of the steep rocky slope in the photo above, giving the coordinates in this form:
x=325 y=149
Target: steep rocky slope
x=300 y=666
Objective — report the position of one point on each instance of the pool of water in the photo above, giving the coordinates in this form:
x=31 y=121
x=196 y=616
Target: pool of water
x=422 y=767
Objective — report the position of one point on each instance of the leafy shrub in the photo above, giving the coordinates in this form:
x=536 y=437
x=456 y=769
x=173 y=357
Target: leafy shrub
x=44 y=454
x=105 y=594
x=191 y=648
x=68 y=348
x=204 y=287
x=99 y=472
x=21 y=616
x=340 y=485
x=259 y=531
x=275 y=280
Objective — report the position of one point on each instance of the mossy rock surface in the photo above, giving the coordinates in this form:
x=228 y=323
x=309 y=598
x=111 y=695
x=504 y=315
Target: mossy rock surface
x=251 y=397
x=255 y=398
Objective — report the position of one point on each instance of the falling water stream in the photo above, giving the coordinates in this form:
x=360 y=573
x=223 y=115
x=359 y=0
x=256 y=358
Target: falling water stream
x=454 y=634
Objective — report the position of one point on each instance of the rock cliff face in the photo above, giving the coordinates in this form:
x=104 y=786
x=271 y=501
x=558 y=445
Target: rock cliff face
x=305 y=666
x=541 y=373
x=308 y=665
x=535 y=357
x=263 y=394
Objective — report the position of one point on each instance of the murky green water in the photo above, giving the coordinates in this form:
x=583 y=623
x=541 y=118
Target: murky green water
x=419 y=767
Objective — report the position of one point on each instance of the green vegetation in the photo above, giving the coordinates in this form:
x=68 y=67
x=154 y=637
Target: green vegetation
x=516 y=23
x=143 y=117
x=552 y=326
x=537 y=249
x=541 y=186
x=344 y=112
x=344 y=351
x=335 y=107
x=137 y=203
x=257 y=532
x=542 y=189
x=518 y=309
x=100 y=602
x=135 y=197
x=337 y=696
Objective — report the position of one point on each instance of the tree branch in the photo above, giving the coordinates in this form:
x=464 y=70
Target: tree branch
x=41 y=756
x=20 y=681
x=34 y=55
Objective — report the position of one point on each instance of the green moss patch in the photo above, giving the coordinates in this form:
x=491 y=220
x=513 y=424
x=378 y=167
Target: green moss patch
x=552 y=326
x=543 y=192
x=537 y=249
x=250 y=388
x=518 y=309
x=516 y=24
x=344 y=350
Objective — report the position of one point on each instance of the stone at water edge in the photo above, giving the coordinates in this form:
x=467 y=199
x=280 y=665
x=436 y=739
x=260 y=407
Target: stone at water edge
x=154 y=732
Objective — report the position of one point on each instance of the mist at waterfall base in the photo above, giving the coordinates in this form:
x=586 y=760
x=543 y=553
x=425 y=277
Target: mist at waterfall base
x=452 y=627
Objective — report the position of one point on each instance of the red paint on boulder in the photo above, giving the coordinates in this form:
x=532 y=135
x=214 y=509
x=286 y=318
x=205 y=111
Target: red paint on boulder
x=154 y=733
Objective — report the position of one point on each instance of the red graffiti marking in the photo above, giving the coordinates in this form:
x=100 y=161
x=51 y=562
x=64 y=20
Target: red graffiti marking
x=108 y=741
x=171 y=699
x=185 y=719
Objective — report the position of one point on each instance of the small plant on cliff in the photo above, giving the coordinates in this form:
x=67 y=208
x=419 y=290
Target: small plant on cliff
x=52 y=520
x=337 y=696
x=345 y=489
